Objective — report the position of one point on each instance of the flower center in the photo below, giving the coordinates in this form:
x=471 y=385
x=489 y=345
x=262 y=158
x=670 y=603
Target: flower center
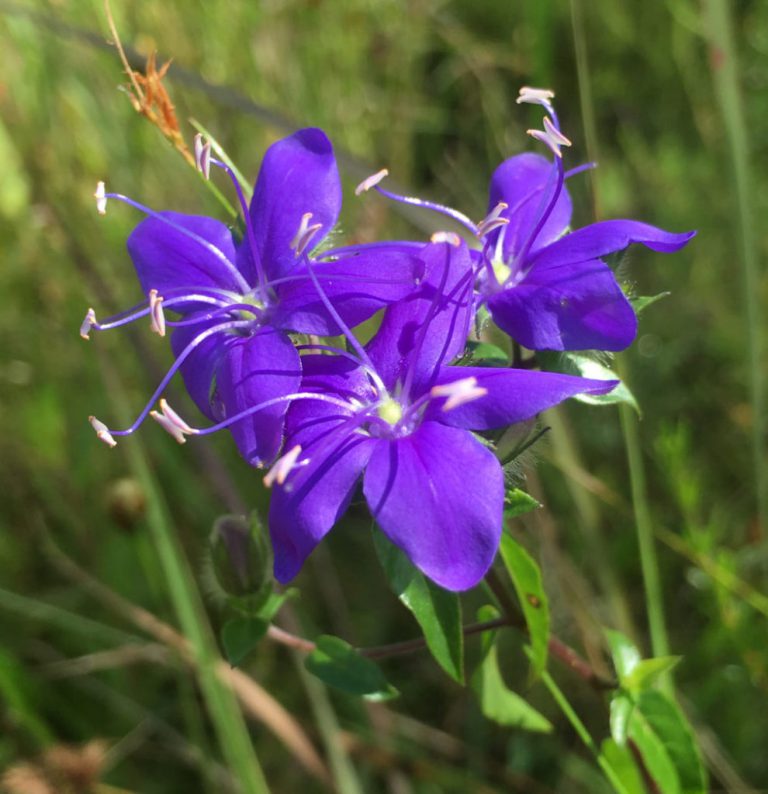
x=501 y=270
x=390 y=411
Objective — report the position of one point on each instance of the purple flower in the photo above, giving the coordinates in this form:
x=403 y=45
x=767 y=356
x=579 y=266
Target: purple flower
x=239 y=300
x=545 y=287
x=397 y=416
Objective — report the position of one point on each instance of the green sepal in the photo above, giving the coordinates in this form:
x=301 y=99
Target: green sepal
x=517 y=502
x=640 y=303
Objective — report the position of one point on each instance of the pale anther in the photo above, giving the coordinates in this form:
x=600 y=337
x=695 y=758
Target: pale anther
x=101 y=199
x=156 y=313
x=371 y=181
x=459 y=392
x=283 y=467
x=169 y=426
x=550 y=136
x=446 y=237
x=305 y=233
x=102 y=432
x=203 y=156
x=493 y=220
x=88 y=323
x=535 y=96
x=555 y=133
x=175 y=419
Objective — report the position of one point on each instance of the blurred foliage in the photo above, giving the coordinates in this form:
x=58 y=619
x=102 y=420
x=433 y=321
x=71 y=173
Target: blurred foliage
x=426 y=88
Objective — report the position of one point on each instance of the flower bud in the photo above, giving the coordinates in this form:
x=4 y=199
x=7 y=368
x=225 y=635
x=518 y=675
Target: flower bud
x=241 y=558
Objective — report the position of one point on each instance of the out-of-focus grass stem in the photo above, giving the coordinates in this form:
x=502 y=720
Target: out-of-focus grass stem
x=654 y=601
x=725 y=73
x=228 y=720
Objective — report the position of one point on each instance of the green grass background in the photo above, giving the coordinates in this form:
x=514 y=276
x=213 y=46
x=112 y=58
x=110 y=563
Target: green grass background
x=427 y=89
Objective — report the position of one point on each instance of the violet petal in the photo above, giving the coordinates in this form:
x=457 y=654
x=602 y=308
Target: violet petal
x=578 y=306
x=438 y=494
x=513 y=395
x=298 y=175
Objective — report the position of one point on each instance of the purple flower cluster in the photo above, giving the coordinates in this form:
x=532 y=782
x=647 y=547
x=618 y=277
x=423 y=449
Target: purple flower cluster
x=253 y=313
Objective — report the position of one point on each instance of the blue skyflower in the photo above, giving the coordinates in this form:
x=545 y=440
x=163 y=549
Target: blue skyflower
x=549 y=288
x=239 y=301
x=398 y=416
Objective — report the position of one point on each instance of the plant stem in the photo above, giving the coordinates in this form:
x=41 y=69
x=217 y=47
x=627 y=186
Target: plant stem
x=582 y=731
x=654 y=601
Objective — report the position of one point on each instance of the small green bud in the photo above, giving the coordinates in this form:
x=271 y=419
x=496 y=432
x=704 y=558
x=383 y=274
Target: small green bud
x=241 y=559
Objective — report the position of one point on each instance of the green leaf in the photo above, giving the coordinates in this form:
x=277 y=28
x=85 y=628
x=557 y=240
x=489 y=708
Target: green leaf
x=621 y=710
x=339 y=665
x=586 y=367
x=437 y=611
x=673 y=730
x=625 y=655
x=657 y=760
x=643 y=302
x=646 y=672
x=622 y=762
x=526 y=577
x=484 y=354
x=518 y=502
x=501 y=704
x=240 y=636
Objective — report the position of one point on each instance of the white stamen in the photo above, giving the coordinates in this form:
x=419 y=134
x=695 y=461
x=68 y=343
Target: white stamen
x=88 y=323
x=101 y=199
x=493 y=220
x=175 y=419
x=535 y=96
x=283 y=467
x=305 y=233
x=550 y=136
x=459 y=392
x=446 y=237
x=102 y=432
x=169 y=426
x=371 y=181
x=156 y=313
x=203 y=156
